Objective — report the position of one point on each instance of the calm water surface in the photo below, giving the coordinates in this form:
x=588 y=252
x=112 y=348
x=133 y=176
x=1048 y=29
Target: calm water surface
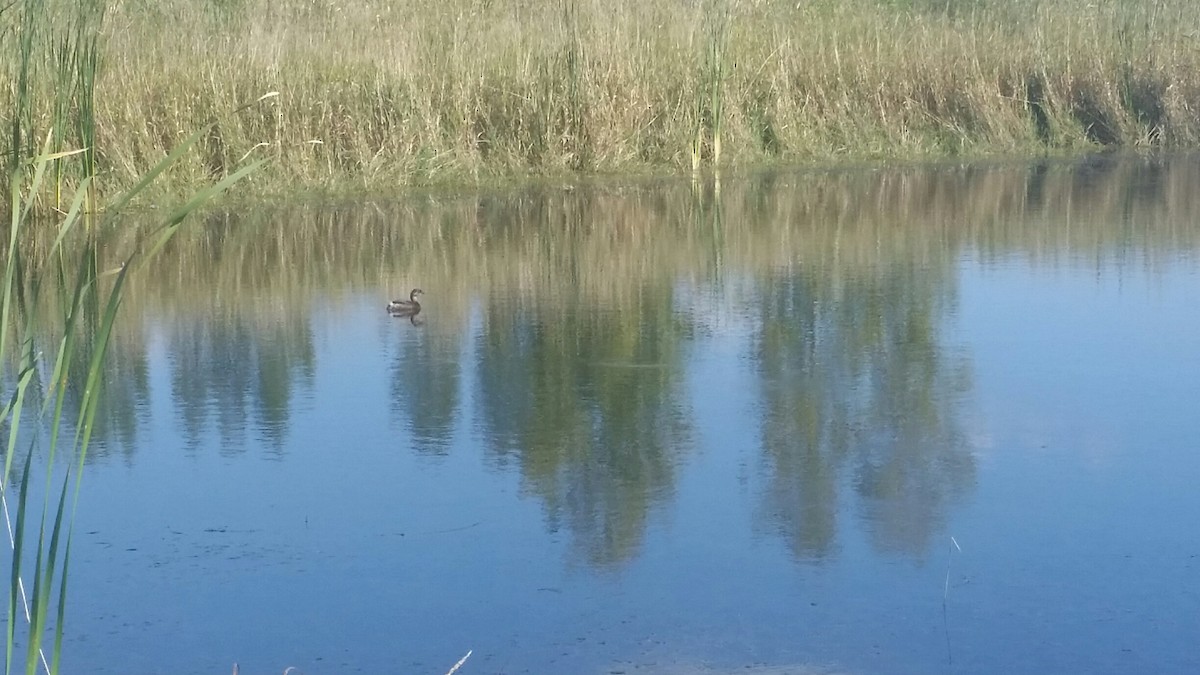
x=931 y=420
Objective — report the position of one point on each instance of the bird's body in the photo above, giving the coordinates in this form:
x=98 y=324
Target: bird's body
x=407 y=307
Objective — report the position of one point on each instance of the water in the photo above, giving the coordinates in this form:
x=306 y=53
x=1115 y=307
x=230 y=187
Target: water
x=926 y=420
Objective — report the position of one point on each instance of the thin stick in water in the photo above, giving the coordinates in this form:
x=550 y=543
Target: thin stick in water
x=460 y=662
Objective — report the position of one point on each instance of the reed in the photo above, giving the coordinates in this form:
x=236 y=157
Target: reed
x=78 y=335
x=377 y=96
x=710 y=96
x=265 y=266
x=57 y=308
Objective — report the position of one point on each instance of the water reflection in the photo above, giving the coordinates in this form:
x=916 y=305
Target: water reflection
x=856 y=378
x=239 y=376
x=554 y=319
x=586 y=402
x=657 y=424
x=424 y=387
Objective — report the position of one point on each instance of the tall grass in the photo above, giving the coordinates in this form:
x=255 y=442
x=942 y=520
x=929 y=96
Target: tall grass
x=378 y=95
x=57 y=308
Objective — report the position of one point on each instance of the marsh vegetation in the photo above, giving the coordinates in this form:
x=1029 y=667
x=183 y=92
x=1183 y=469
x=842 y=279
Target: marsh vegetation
x=377 y=95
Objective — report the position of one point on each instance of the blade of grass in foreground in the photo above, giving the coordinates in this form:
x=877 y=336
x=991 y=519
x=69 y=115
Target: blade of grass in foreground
x=15 y=588
x=60 y=620
x=85 y=297
x=22 y=323
x=171 y=225
x=180 y=150
x=43 y=574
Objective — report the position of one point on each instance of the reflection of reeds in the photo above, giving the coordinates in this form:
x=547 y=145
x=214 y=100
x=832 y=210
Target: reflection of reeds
x=604 y=243
x=476 y=90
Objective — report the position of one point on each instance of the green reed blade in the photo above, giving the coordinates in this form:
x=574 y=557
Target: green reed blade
x=51 y=156
x=26 y=371
x=44 y=577
x=162 y=166
x=23 y=105
x=62 y=607
x=67 y=225
x=73 y=214
x=13 y=409
x=88 y=314
x=173 y=222
x=8 y=408
x=66 y=349
x=40 y=164
x=10 y=269
x=14 y=589
x=33 y=642
x=91 y=389
x=28 y=367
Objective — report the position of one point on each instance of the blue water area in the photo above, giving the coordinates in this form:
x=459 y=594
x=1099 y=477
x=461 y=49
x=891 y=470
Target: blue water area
x=884 y=447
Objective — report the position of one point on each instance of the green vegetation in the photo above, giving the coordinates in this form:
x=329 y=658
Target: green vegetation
x=57 y=315
x=58 y=306
x=378 y=95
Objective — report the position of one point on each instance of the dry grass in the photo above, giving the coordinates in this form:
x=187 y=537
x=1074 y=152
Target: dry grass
x=376 y=95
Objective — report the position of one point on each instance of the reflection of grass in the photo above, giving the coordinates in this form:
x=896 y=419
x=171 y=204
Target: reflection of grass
x=375 y=95
x=601 y=245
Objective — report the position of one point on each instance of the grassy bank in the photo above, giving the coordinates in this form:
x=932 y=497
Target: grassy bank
x=377 y=95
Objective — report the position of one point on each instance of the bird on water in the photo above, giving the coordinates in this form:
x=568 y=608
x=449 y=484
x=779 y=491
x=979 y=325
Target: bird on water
x=407 y=307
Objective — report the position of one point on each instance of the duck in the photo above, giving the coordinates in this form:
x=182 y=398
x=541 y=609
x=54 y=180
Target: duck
x=407 y=307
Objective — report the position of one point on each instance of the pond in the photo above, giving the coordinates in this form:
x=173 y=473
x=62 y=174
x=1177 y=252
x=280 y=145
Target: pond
x=915 y=420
